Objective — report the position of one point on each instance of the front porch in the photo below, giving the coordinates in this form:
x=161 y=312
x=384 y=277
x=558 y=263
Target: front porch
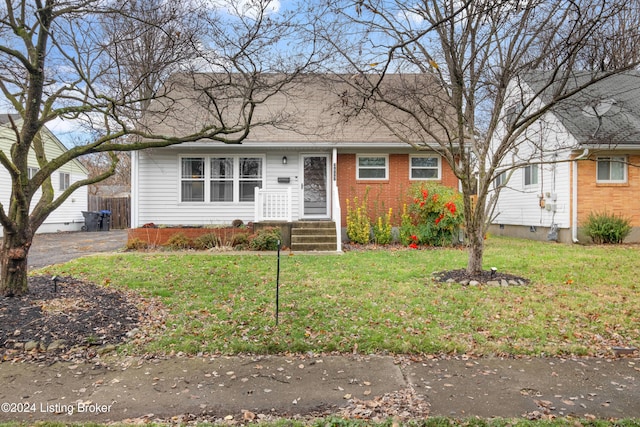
x=319 y=228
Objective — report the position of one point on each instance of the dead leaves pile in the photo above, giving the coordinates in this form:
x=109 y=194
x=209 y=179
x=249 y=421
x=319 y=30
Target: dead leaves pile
x=403 y=405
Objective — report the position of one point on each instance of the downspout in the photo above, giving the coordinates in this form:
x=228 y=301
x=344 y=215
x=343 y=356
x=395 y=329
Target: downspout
x=335 y=199
x=574 y=195
x=134 y=189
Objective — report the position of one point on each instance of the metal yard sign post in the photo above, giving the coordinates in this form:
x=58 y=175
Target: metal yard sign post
x=278 y=285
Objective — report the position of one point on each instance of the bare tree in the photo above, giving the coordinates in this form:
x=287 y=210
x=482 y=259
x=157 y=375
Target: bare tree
x=99 y=163
x=459 y=61
x=102 y=63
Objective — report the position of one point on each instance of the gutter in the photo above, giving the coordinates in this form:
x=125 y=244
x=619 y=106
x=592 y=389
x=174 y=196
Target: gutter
x=574 y=195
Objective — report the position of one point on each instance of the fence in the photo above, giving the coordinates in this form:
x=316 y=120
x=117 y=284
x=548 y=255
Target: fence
x=120 y=208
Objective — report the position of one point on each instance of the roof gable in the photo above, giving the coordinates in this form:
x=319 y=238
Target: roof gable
x=49 y=137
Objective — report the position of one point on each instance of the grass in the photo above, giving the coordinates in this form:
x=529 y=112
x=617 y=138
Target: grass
x=582 y=300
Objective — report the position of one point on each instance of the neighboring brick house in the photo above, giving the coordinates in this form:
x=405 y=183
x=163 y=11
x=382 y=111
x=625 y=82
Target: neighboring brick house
x=302 y=169
x=594 y=167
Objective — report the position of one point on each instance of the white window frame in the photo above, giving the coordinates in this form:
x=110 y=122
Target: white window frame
x=32 y=171
x=65 y=181
x=203 y=178
x=425 y=156
x=226 y=179
x=533 y=167
x=386 y=167
x=237 y=179
x=208 y=176
x=612 y=159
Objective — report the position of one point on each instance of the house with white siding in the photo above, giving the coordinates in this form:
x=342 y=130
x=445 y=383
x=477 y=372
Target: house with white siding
x=580 y=157
x=67 y=217
x=299 y=170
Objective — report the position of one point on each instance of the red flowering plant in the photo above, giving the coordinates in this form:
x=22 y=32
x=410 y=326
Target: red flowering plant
x=434 y=216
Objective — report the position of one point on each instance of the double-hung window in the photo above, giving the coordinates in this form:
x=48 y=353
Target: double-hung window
x=250 y=177
x=65 y=180
x=611 y=169
x=424 y=167
x=193 y=179
x=531 y=175
x=501 y=180
x=31 y=172
x=372 y=167
x=224 y=179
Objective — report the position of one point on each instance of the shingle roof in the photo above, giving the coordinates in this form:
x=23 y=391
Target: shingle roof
x=4 y=118
x=605 y=113
x=313 y=109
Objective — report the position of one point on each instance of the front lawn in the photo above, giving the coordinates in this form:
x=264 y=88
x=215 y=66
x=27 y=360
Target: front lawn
x=581 y=300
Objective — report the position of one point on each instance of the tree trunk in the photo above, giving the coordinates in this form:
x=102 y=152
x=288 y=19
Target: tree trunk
x=476 y=251
x=13 y=263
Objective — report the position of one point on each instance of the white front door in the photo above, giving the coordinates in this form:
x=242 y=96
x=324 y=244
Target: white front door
x=315 y=186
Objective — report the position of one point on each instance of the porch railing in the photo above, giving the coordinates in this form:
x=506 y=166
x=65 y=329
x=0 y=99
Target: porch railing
x=273 y=205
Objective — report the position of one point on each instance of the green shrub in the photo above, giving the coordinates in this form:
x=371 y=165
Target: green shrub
x=265 y=240
x=179 y=241
x=137 y=244
x=358 y=223
x=206 y=241
x=382 y=229
x=240 y=240
x=433 y=218
x=604 y=227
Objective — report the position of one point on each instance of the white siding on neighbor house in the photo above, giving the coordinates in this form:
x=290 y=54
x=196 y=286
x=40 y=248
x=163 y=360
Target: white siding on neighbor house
x=158 y=177
x=68 y=217
x=519 y=204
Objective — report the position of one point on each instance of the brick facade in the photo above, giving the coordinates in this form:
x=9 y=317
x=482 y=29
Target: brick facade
x=615 y=198
x=386 y=194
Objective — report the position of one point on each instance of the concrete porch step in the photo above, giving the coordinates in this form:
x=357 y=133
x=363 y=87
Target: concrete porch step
x=326 y=247
x=313 y=236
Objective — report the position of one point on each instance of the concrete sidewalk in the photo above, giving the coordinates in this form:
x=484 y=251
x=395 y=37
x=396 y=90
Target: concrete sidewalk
x=268 y=386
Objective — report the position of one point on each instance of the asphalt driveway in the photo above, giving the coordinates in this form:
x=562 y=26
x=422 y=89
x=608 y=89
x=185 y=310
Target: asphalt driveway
x=56 y=248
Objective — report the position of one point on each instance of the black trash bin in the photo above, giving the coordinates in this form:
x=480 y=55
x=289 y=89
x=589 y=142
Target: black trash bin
x=105 y=220
x=91 y=221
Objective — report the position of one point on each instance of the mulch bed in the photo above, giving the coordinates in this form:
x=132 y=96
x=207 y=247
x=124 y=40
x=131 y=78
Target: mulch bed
x=487 y=276
x=79 y=316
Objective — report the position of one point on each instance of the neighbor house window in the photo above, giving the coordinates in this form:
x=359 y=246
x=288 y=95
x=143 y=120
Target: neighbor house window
x=531 y=175
x=31 y=172
x=501 y=180
x=222 y=179
x=192 y=179
x=424 y=167
x=611 y=169
x=250 y=169
x=371 y=167
x=65 y=180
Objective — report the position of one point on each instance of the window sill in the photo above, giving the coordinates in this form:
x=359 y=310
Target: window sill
x=612 y=184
